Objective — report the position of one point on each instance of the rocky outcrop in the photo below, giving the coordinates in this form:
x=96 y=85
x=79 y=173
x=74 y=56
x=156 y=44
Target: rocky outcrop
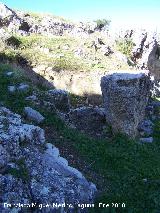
x=25 y=24
x=154 y=61
x=154 y=67
x=125 y=97
x=143 y=42
x=32 y=172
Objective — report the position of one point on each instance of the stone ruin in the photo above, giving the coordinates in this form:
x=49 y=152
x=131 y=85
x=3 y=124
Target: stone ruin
x=125 y=95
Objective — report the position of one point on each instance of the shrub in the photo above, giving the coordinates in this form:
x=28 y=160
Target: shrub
x=101 y=23
x=13 y=41
x=125 y=46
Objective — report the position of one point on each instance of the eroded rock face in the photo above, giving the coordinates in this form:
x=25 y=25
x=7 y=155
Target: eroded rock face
x=125 y=97
x=33 y=172
x=154 y=67
x=154 y=61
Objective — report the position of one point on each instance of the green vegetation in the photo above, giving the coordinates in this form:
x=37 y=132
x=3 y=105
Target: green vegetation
x=101 y=23
x=58 y=52
x=40 y=16
x=125 y=46
x=123 y=170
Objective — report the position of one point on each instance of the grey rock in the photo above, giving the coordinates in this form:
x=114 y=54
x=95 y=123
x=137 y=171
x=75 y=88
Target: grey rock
x=125 y=96
x=11 y=89
x=9 y=74
x=47 y=178
x=154 y=67
x=31 y=98
x=146 y=140
x=60 y=99
x=146 y=128
x=33 y=115
x=23 y=87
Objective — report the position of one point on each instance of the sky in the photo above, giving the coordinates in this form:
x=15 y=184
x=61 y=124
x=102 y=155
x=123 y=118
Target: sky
x=122 y=13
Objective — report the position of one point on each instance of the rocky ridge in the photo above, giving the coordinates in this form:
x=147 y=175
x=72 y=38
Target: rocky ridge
x=33 y=172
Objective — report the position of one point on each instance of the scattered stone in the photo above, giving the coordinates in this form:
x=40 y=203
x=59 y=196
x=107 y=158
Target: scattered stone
x=125 y=98
x=149 y=110
x=60 y=99
x=33 y=115
x=23 y=87
x=146 y=140
x=146 y=128
x=9 y=74
x=11 y=89
x=31 y=98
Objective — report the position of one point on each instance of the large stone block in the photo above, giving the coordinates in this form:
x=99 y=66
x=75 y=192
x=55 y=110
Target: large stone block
x=125 y=95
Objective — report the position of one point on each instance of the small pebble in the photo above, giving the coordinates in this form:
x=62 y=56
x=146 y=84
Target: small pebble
x=11 y=89
x=146 y=140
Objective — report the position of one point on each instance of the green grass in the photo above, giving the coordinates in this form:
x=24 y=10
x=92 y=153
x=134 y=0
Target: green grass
x=33 y=48
x=128 y=172
x=125 y=46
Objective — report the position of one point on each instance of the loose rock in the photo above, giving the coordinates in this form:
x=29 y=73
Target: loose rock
x=33 y=115
x=146 y=140
x=11 y=89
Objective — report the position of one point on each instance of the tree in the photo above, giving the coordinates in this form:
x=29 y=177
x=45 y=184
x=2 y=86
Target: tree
x=101 y=23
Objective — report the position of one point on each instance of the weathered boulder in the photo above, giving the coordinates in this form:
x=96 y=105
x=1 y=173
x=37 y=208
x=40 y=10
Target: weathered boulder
x=125 y=98
x=33 y=115
x=9 y=73
x=11 y=89
x=23 y=87
x=146 y=128
x=146 y=140
x=34 y=173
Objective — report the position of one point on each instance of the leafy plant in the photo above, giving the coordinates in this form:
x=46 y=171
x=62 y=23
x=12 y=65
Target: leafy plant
x=101 y=23
x=125 y=46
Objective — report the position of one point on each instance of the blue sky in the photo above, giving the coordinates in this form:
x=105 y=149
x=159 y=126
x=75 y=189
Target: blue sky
x=141 y=13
